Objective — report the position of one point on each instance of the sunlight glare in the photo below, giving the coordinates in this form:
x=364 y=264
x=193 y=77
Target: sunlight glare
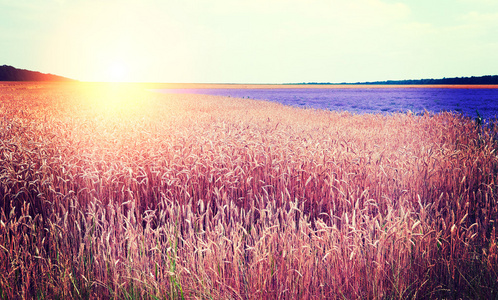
x=118 y=72
x=114 y=100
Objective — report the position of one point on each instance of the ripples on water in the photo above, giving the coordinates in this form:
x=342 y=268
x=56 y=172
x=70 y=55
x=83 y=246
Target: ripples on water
x=372 y=100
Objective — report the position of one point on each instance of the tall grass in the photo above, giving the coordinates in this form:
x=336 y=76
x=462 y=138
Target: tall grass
x=124 y=194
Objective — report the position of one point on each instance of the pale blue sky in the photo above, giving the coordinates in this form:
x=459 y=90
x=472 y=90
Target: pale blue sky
x=259 y=41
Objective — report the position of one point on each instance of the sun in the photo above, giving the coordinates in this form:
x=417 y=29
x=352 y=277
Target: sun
x=118 y=71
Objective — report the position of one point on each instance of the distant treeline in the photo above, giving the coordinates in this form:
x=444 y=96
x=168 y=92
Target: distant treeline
x=455 y=80
x=488 y=79
x=9 y=73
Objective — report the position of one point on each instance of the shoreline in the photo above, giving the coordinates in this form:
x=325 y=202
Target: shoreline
x=310 y=86
x=155 y=85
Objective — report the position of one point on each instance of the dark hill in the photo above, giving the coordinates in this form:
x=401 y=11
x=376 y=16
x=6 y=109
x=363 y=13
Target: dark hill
x=9 y=73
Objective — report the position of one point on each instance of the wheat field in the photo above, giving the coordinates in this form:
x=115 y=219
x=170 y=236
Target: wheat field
x=114 y=192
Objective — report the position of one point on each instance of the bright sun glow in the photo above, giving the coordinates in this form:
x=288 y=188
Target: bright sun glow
x=118 y=72
x=113 y=99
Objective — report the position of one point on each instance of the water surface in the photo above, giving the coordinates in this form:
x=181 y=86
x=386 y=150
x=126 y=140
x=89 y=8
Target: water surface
x=468 y=102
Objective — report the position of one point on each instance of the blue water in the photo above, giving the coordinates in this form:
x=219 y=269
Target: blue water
x=372 y=100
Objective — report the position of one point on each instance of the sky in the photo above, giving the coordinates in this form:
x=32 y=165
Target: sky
x=251 y=41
